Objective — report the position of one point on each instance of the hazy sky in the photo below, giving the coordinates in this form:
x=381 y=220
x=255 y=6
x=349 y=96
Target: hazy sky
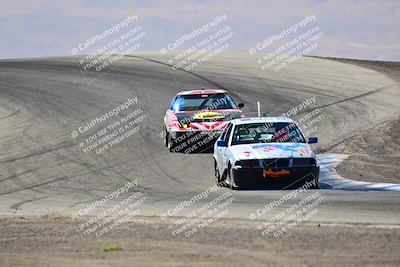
x=365 y=29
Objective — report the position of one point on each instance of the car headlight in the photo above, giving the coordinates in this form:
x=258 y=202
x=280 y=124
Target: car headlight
x=247 y=163
x=239 y=164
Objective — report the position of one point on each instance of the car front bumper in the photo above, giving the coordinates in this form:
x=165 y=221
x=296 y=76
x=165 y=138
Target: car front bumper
x=194 y=141
x=289 y=176
x=193 y=136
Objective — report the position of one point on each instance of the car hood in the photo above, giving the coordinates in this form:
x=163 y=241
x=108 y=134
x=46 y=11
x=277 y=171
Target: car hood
x=210 y=115
x=272 y=150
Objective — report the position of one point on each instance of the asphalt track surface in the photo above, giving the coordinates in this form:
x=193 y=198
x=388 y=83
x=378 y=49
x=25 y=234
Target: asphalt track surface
x=43 y=170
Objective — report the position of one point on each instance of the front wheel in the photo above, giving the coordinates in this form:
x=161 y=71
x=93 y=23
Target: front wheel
x=170 y=142
x=166 y=137
x=231 y=179
x=218 y=178
x=316 y=186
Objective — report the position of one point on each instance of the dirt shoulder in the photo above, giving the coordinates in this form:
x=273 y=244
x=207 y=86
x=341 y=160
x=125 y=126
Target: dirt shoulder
x=375 y=153
x=54 y=241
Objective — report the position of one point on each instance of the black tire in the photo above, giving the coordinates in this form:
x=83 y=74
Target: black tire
x=170 y=142
x=217 y=176
x=166 y=137
x=233 y=185
x=216 y=173
x=316 y=185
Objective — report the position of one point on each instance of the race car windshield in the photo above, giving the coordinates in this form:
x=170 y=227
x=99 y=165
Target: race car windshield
x=203 y=101
x=278 y=132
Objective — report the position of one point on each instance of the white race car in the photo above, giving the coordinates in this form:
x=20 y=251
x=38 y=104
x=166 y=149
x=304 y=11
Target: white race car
x=264 y=150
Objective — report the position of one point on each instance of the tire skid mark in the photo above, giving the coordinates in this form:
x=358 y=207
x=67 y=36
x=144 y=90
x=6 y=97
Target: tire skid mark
x=41 y=183
x=374 y=91
x=19 y=204
x=17 y=112
x=201 y=77
x=18 y=174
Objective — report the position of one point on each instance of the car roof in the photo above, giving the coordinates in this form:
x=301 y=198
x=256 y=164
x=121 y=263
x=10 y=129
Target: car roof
x=203 y=91
x=247 y=120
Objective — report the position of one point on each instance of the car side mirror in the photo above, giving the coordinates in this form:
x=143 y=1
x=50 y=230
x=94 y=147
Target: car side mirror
x=222 y=143
x=240 y=105
x=313 y=140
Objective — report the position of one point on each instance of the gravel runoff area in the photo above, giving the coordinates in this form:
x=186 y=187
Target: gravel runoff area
x=54 y=241
x=375 y=152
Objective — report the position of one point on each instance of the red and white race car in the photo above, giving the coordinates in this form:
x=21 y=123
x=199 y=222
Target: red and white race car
x=197 y=118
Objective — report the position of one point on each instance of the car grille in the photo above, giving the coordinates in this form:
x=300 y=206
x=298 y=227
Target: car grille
x=272 y=163
x=269 y=163
x=285 y=162
x=303 y=162
x=282 y=163
x=277 y=163
x=250 y=163
x=207 y=119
